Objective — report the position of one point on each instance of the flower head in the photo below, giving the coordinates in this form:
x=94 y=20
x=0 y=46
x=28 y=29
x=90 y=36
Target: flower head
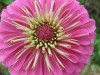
x=46 y=37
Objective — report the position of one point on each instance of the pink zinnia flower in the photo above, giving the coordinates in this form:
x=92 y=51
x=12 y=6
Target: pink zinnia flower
x=46 y=37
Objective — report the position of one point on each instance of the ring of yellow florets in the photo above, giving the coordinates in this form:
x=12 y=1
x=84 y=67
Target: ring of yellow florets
x=44 y=44
x=31 y=32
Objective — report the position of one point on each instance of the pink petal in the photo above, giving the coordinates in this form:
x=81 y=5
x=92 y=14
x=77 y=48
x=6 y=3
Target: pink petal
x=69 y=66
x=39 y=69
x=8 y=27
x=79 y=67
x=19 y=64
x=79 y=33
x=79 y=49
x=72 y=58
x=22 y=72
x=14 y=8
x=30 y=72
x=9 y=60
x=13 y=48
x=92 y=36
x=84 y=40
x=89 y=26
x=12 y=71
x=2 y=44
x=89 y=48
x=46 y=71
x=55 y=68
x=2 y=56
x=30 y=57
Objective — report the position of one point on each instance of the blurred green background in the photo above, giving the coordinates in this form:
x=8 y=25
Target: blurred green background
x=93 y=7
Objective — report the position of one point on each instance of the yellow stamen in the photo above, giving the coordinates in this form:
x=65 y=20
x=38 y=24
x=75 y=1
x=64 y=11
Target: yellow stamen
x=60 y=9
x=72 y=26
x=20 y=26
x=48 y=63
x=36 y=59
x=52 y=5
x=36 y=8
x=60 y=52
x=26 y=11
x=64 y=45
x=59 y=62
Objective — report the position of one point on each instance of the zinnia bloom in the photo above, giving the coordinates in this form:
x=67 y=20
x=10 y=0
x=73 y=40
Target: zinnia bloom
x=46 y=37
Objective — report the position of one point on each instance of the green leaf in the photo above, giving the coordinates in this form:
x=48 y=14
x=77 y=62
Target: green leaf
x=6 y=2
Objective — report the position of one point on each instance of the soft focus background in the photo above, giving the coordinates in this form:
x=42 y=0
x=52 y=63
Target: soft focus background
x=93 y=7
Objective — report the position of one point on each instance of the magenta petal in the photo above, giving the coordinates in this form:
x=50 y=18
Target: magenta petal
x=14 y=8
x=8 y=27
x=12 y=71
x=79 y=33
x=92 y=36
x=22 y=72
x=19 y=64
x=55 y=68
x=69 y=66
x=79 y=66
x=72 y=58
x=9 y=60
x=84 y=40
x=2 y=44
x=2 y=56
x=39 y=68
x=46 y=71
x=30 y=72
x=13 y=48
x=79 y=49
x=90 y=26
x=89 y=49
x=84 y=58
x=30 y=58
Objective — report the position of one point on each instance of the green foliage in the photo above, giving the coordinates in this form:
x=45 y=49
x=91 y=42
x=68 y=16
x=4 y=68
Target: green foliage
x=3 y=70
x=6 y=2
x=82 y=1
x=93 y=8
x=96 y=55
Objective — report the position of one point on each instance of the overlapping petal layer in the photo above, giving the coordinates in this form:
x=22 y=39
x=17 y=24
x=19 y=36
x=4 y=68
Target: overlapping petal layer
x=46 y=37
